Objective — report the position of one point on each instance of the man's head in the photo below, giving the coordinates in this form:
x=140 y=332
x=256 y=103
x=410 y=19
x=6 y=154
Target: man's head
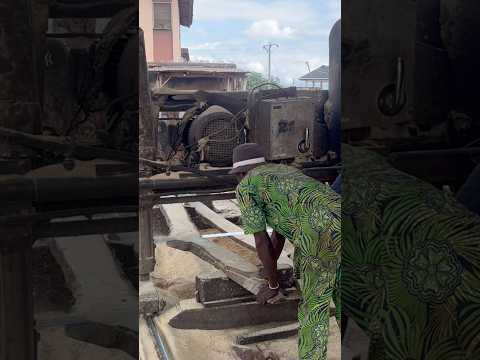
x=245 y=158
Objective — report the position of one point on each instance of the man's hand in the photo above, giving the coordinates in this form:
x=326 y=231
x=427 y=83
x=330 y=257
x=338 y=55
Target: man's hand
x=266 y=294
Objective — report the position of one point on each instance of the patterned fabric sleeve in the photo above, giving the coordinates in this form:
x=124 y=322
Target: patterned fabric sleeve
x=253 y=216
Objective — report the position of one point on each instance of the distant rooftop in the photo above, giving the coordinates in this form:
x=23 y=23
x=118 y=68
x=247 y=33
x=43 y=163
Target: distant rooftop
x=320 y=73
x=195 y=67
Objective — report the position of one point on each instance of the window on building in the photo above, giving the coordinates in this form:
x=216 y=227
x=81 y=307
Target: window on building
x=162 y=16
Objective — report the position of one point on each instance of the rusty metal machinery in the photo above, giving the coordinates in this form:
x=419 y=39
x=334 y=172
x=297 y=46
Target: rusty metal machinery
x=69 y=103
x=290 y=125
x=284 y=128
x=213 y=135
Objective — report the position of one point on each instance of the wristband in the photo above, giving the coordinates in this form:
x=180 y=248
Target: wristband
x=274 y=288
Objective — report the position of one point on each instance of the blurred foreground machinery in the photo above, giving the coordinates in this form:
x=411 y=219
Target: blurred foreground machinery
x=68 y=140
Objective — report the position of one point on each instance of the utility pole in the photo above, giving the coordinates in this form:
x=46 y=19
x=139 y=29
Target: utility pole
x=268 y=49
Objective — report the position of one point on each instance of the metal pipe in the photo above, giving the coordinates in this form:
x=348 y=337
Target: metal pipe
x=160 y=347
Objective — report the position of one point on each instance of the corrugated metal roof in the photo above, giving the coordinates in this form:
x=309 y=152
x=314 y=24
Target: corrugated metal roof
x=320 y=73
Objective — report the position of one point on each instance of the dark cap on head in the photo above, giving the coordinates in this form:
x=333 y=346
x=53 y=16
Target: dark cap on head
x=246 y=157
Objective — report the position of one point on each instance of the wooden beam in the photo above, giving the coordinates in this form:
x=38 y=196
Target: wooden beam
x=235 y=267
x=181 y=198
x=215 y=286
x=279 y=332
x=195 y=316
x=223 y=224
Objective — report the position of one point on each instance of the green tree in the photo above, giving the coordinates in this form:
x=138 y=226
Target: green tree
x=255 y=79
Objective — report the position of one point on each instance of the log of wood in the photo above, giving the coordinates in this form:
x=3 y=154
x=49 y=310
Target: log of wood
x=235 y=267
x=216 y=286
x=227 y=226
x=279 y=332
x=195 y=316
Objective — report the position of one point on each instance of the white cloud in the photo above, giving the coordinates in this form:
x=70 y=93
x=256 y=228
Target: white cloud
x=255 y=66
x=299 y=14
x=206 y=46
x=269 y=29
x=200 y=58
x=300 y=27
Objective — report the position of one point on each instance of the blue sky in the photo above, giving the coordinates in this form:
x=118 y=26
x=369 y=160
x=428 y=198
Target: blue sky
x=235 y=30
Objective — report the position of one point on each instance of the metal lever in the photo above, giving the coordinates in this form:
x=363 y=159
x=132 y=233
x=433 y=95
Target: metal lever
x=399 y=83
x=304 y=145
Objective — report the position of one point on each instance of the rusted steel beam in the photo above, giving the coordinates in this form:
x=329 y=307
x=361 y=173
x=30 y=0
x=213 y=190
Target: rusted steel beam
x=178 y=185
x=203 y=185
x=55 y=144
x=64 y=189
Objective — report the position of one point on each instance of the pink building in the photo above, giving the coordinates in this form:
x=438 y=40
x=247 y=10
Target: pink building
x=160 y=21
x=169 y=65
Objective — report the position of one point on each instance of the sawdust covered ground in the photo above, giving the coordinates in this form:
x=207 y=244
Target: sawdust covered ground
x=175 y=272
x=219 y=344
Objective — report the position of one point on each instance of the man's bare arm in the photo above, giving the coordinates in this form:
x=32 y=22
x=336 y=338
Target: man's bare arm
x=278 y=241
x=267 y=255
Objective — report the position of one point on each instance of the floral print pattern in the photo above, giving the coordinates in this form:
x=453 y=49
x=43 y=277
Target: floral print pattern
x=307 y=213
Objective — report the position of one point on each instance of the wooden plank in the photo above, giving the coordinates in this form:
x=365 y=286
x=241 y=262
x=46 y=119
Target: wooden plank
x=175 y=199
x=235 y=267
x=279 y=332
x=223 y=224
x=220 y=222
x=231 y=301
x=215 y=286
x=195 y=316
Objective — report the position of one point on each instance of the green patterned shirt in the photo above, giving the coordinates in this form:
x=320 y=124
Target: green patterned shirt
x=293 y=204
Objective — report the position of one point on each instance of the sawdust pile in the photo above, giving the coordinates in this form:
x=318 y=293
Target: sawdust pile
x=176 y=270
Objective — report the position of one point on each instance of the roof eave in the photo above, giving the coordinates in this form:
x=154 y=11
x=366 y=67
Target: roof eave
x=302 y=78
x=186 y=12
